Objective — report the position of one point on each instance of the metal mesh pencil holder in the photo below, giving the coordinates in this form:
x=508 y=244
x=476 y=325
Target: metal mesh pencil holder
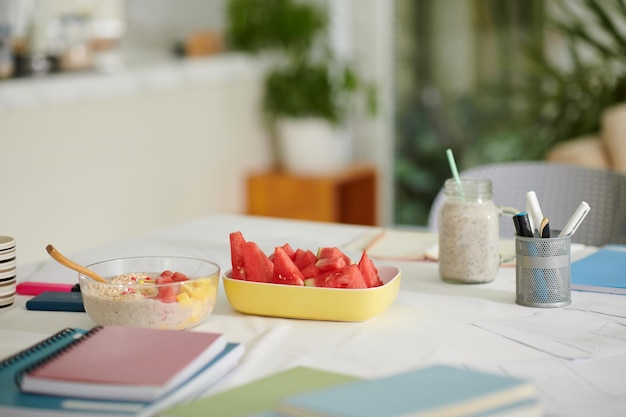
x=542 y=271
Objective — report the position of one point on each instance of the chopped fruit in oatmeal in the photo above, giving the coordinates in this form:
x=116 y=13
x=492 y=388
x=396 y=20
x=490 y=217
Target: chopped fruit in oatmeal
x=165 y=300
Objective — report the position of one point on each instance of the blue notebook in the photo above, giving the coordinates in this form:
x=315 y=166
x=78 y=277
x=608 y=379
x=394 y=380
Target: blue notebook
x=15 y=402
x=431 y=391
x=602 y=271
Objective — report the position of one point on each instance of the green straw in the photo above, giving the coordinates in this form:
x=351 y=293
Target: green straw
x=455 y=172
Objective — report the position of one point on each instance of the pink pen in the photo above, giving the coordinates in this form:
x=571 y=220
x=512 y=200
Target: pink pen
x=35 y=288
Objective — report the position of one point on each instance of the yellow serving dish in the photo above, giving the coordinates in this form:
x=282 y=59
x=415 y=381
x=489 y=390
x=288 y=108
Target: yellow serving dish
x=313 y=303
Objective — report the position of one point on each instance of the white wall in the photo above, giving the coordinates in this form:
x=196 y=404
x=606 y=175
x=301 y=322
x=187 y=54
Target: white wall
x=373 y=48
x=89 y=159
x=86 y=160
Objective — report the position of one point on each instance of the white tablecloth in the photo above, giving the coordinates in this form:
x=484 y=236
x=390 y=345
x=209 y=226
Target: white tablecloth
x=430 y=322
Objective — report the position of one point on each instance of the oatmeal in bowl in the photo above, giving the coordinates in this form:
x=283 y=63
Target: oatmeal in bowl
x=165 y=292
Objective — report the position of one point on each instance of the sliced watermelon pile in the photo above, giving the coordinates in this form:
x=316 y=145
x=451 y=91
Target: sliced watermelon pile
x=330 y=267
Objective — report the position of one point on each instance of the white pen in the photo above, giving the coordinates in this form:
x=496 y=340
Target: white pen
x=534 y=211
x=577 y=218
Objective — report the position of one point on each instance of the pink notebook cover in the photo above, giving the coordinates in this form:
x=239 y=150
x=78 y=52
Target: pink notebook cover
x=132 y=356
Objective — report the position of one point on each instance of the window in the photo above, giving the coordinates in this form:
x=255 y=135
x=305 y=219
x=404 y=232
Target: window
x=458 y=68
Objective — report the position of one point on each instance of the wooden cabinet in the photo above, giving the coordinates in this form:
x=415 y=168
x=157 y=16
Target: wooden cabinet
x=348 y=196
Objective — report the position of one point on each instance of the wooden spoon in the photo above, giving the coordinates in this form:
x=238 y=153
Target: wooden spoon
x=73 y=265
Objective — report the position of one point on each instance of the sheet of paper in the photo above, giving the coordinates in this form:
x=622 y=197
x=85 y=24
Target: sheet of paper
x=419 y=245
x=574 y=388
x=412 y=245
x=570 y=334
x=392 y=244
x=614 y=312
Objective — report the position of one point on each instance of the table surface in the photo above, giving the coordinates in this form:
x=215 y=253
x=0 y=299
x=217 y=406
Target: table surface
x=430 y=322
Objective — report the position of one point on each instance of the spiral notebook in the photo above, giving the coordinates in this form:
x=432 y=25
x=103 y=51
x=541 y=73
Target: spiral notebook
x=123 y=363
x=14 y=401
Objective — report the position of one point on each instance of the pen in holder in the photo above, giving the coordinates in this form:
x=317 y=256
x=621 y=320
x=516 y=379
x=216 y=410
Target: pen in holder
x=542 y=271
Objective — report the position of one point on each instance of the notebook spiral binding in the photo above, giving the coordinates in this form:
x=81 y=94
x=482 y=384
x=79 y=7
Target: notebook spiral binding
x=43 y=344
x=32 y=349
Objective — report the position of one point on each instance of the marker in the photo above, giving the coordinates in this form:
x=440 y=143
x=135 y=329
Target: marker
x=534 y=211
x=36 y=288
x=544 y=230
x=577 y=218
x=522 y=224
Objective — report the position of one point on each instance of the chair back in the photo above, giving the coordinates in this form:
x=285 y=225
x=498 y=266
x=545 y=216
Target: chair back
x=560 y=188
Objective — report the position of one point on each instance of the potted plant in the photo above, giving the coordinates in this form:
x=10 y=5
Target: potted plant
x=307 y=91
x=567 y=96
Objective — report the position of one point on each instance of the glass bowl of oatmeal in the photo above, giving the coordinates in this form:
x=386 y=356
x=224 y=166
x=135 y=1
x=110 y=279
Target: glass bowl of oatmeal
x=165 y=292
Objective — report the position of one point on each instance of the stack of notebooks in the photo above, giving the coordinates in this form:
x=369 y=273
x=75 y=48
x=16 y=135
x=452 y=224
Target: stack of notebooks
x=426 y=392
x=123 y=371
x=113 y=371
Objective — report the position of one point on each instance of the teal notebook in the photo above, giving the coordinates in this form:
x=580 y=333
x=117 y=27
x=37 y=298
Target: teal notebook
x=431 y=391
x=602 y=271
x=15 y=402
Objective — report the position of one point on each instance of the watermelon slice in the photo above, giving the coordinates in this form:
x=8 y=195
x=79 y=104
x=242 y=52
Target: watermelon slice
x=347 y=277
x=289 y=250
x=166 y=276
x=332 y=252
x=167 y=294
x=311 y=270
x=236 y=255
x=331 y=258
x=179 y=276
x=285 y=271
x=256 y=265
x=303 y=258
x=331 y=264
x=369 y=271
